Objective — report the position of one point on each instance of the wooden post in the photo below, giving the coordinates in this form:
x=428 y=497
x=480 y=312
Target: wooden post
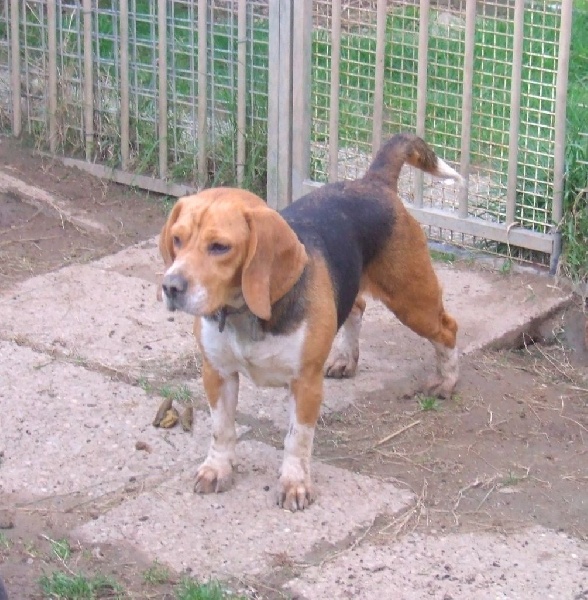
x=124 y=84
x=241 y=89
x=202 y=94
x=162 y=80
x=52 y=39
x=88 y=80
x=15 y=68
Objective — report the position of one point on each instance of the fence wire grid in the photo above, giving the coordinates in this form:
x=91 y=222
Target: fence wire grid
x=134 y=103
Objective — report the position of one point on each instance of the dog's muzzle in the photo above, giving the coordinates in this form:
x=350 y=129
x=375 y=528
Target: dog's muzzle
x=174 y=287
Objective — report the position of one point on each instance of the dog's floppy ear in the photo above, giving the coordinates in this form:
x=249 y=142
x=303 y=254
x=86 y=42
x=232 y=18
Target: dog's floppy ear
x=166 y=244
x=275 y=261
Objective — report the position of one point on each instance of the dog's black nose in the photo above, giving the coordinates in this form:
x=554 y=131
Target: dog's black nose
x=174 y=285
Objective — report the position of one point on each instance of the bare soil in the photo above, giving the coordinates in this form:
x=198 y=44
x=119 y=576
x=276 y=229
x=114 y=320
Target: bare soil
x=37 y=238
x=509 y=450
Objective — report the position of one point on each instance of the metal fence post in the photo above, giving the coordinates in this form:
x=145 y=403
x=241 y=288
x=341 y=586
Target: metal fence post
x=425 y=6
x=466 y=121
x=202 y=93
x=301 y=95
x=15 y=68
x=515 y=108
x=88 y=80
x=52 y=78
x=565 y=38
x=279 y=151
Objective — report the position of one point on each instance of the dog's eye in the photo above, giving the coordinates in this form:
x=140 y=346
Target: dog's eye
x=218 y=248
x=177 y=241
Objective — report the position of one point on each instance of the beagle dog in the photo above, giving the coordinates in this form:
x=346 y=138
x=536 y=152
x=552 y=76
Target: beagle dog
x=269 y=291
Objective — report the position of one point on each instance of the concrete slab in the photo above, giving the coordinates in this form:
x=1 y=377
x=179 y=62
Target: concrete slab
x=99 y=317
x=537 y=564
x=141 y=260
x=71 y=436
x=105 y=314
x=68 y=430
x=242 y=531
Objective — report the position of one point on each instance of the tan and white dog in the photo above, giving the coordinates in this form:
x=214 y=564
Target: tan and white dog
x=270 y=291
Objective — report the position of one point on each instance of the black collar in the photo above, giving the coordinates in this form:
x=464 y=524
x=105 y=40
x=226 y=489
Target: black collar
x=222 y=313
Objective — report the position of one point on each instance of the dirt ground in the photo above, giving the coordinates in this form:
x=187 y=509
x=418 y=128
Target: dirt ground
x=509 y=450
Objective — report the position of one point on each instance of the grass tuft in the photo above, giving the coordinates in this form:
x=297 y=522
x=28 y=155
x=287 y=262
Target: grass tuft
x=428 y=403
x=180 y=393
x=61 y=549
x=192 y=590
x=157 y=574
x=65 y=586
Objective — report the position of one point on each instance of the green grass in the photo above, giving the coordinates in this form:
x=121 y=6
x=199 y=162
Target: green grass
x=60 y=585
x=66 y=586
x=180 y=393
x=156 y=574
x=575 y=223
x=428 y=403
x=61 y=549
x=192 y=590
x=440 y=256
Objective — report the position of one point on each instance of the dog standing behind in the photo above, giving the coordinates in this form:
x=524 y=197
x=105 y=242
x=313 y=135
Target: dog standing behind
x=270 y=291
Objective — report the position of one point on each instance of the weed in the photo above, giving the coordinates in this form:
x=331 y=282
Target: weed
x=506 y=266
x=66 y=586
x=446 y=257
x=145 y=385
x=512 y=479
x=180 y=393
x=167 y=203
x=192 y=590
x=4 y=541
x=61 y=549
x=31 y=549
x=156 y=574
x=427 y=403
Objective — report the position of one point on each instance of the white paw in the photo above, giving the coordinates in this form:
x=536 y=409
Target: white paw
x=213 y=478
x=294 y=494
x=342 y=363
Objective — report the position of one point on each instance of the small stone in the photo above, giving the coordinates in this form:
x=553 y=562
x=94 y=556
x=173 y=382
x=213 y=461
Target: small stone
x=144 y=446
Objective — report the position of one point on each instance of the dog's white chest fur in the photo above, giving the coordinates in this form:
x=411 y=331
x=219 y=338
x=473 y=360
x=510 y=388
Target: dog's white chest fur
x=269 y=360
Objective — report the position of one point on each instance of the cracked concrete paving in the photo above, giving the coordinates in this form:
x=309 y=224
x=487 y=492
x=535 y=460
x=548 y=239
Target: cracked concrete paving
x=71 y=431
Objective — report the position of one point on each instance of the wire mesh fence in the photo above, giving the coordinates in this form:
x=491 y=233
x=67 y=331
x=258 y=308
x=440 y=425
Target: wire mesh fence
x=131 y=99
x=499 y=91
x=178 y=90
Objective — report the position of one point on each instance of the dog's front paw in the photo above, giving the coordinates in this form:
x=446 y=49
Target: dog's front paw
x=294 y=488
x=294 y=494
x=342 y=363
x=213 y=478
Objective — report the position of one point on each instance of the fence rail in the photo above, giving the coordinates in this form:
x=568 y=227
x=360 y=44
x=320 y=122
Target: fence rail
x=281 y=96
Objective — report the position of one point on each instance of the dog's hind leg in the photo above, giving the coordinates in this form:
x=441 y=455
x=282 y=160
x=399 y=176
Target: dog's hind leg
x=402 y=277
x=344 y=355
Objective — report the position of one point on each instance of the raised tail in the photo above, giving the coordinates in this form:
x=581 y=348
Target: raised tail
x=411 y=149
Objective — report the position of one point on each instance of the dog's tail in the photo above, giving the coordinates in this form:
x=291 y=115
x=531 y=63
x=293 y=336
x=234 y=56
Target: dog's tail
x=407 y=148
